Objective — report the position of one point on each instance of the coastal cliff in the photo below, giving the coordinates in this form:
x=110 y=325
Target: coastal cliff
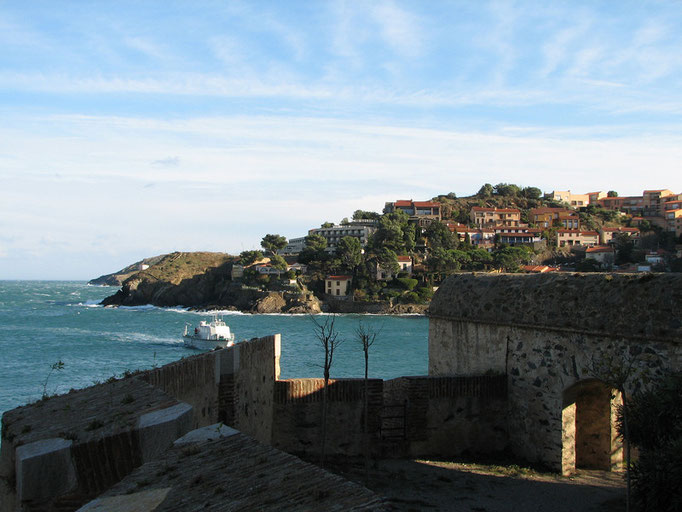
x=203 y=280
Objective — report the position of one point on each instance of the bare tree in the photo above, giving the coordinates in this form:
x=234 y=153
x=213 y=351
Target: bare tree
x=366 y=335
x=328 y=337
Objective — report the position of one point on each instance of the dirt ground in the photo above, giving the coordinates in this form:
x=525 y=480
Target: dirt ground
x=421 y=485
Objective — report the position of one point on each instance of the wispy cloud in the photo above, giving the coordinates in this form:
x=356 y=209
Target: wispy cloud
x=171 y=161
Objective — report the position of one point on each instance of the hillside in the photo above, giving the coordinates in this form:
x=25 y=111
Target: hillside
x=117 y=278
x=202 y=280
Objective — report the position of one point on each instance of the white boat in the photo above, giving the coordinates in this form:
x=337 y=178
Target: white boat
x=209 y=335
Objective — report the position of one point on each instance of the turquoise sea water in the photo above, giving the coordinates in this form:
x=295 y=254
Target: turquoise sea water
x=43 y=322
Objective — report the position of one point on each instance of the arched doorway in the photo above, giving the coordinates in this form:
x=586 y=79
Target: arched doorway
x=589 y=435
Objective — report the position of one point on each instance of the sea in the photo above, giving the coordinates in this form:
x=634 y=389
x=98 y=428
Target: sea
x=54 y=336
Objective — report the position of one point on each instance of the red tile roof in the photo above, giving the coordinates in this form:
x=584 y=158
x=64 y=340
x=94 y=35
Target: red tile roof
x=600 y=248
x=339 y=278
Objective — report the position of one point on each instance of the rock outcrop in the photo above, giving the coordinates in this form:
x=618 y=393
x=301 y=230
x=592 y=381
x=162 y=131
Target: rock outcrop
x=203 y=281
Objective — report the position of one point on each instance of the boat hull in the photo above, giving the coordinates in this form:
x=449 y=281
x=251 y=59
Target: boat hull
x=202 y=344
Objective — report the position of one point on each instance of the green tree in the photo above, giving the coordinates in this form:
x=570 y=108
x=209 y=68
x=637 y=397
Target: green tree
x=510 y=259
x=507 y=189
x=531 y=193
x=364 y=215
x=278 y=262
x=485 y=191
x=390 y=233
x=612 y=193
x=326 y=225
x=349 y=251
x=273 y=243
x=314 y=250
x=249 y=257
x=439 y=236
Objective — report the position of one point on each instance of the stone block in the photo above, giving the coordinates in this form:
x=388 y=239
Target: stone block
x=158 y=430
x=44 y=470
x=208 y=433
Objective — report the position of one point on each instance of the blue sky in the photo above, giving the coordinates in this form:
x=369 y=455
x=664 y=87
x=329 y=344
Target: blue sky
x=130 y=129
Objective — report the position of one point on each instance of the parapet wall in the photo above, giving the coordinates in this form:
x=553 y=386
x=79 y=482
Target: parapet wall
x=642 y=306
x=298 y=414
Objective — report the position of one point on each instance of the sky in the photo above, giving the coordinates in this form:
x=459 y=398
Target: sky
x=131 y=129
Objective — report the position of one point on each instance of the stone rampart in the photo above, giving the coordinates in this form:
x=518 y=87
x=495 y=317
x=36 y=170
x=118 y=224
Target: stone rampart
x=448 y=416
x=298 y=413
x=60 y=452
x=545 y=333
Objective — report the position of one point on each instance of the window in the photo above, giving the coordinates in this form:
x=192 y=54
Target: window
x=338 y=291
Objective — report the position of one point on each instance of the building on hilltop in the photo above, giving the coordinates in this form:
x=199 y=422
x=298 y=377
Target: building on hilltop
x=575 y=200
x=334 y=234
x=294 y=246
x=488 y=217
x=418 y=211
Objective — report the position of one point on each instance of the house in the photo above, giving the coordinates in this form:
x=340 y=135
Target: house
x=519 y=238
x=607 y=234
x=673 y=219
x=487 y=217
x=298 y=268
x=545 y=216
x=570 y=237
x=267 y=269
x=565 y=196
x=604 y=254
x=595 y=196
x=416 y=209
x=338 y=286
x=405 y=263
x=655 y=257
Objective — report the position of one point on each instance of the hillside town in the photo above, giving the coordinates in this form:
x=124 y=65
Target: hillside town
x=405 y=252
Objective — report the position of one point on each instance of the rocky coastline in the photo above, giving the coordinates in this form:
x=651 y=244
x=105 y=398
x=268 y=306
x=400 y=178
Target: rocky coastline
x=210 y=287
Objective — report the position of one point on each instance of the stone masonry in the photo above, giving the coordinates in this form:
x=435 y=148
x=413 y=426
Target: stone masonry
x=545 y=333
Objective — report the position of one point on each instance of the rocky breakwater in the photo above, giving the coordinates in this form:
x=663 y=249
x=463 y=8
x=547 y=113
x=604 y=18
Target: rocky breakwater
x=203 y=280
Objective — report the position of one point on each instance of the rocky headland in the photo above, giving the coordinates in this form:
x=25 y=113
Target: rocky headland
x=203 y=280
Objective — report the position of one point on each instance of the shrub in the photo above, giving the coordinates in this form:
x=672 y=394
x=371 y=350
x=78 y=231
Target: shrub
x=406 y=283
x=655 y=421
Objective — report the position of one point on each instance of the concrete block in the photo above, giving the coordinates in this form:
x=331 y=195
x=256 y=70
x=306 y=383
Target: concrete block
x=44 y=470
x=145 y=501
x=208 y=433
x=158 y=430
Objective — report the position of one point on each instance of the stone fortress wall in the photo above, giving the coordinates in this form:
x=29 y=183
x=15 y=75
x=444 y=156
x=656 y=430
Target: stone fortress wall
x=87 y=440
x=544 y=333
x=509 y=359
